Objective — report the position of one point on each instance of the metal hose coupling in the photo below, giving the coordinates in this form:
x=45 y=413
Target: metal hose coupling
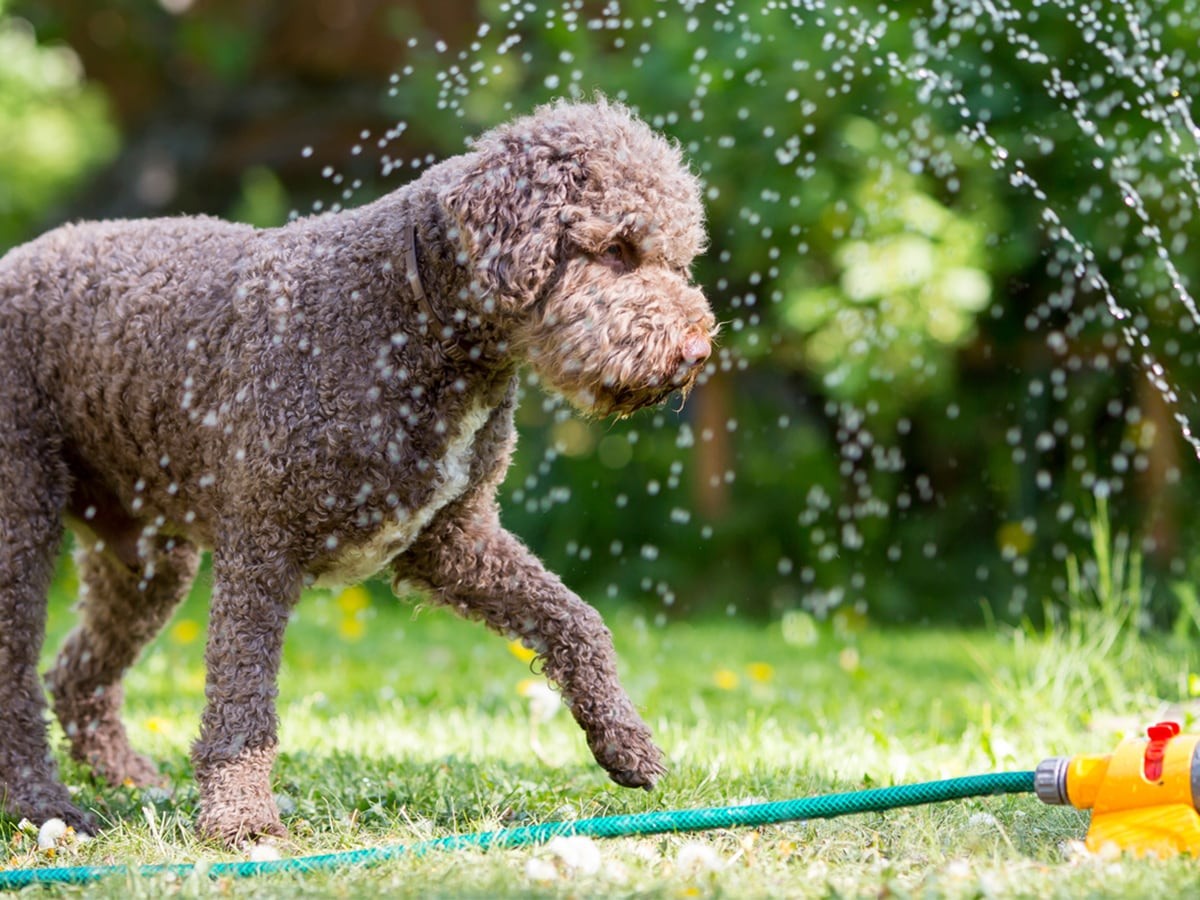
x=1050 y=780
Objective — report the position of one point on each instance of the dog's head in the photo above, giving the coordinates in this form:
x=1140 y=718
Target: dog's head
x=581 y=224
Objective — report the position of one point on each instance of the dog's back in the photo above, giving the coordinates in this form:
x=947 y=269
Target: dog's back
x=121 y=327
x=95 y=288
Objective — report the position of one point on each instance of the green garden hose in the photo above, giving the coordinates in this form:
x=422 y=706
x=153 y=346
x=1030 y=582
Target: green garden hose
x=824 y=807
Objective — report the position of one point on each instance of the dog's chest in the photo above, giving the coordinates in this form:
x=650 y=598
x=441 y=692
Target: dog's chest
x=450 y=474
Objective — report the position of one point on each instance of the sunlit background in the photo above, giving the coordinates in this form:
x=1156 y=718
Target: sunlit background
x=951 y=251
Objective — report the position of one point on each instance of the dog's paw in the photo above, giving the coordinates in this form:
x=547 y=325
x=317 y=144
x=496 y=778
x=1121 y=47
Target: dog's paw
x=238 y=829
x=630 y=756
x=644 y=775
x=236 y=804
x=40 y=806
x=83 y=823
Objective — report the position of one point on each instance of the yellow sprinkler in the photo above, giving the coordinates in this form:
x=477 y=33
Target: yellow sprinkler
x=1143 y=796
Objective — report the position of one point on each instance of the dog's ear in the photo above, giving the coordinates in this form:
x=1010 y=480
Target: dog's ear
x=512 y=204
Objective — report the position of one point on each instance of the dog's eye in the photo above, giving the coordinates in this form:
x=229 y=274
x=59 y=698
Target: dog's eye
x=617 y=255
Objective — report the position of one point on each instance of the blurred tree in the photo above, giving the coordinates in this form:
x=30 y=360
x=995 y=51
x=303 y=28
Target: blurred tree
x=205 y=91
x=54 y=127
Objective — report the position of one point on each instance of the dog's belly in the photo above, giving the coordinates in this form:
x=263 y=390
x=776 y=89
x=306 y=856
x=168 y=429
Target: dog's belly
x=362 y=560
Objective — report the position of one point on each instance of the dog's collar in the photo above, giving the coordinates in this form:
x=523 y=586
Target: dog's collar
x=448 y=336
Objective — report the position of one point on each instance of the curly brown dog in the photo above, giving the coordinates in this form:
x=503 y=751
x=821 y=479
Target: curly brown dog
x=315 y=403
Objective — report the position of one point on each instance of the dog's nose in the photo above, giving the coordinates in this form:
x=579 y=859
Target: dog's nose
x=695 y=349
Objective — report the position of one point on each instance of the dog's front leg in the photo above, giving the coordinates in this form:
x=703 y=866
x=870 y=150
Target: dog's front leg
x=233 y=756
x=469 y=562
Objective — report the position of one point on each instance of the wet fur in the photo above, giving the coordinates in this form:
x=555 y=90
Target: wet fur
x=281 y=398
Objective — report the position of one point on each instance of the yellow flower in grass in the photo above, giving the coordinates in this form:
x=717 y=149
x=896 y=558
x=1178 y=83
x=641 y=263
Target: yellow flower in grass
x=353 y=603
x=185 y=631
x=521 y=652
x=726 y=680
x=849 y=660
x=155 y=725
x=1014 y=539
x=351 y=628
x=353 y=600
x=761 y=672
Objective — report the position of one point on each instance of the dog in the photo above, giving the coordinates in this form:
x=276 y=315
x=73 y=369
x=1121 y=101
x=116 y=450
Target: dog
x=315 y=404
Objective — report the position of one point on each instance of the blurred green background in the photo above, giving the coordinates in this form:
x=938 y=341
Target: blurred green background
x=921 y=391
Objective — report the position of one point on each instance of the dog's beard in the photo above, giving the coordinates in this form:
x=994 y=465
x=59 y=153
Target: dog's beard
x=623 y=401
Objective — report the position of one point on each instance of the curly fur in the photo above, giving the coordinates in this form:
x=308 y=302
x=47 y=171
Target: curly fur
x=284 y=398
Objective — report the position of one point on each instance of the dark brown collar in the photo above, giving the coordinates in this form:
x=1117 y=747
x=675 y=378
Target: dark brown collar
x=450 y=339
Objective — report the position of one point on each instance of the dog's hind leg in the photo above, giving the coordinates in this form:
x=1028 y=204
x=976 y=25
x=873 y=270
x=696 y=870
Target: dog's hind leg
x=122 y=609
x=33 y=488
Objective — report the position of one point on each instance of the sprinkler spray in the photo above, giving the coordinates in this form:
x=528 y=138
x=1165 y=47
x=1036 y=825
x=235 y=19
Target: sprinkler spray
x=1143 y=796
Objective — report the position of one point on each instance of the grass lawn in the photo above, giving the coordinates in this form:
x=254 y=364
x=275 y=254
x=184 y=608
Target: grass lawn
x=399 y=725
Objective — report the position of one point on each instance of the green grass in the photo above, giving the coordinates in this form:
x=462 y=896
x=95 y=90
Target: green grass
x=399 y=725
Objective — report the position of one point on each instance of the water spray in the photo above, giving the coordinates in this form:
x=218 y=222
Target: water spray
x=1143 y=797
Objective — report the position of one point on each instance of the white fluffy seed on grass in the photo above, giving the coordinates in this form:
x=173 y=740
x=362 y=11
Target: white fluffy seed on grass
x=540 y=870
x=51 y=832
x=263 y=853
x=696 y=858
x=577 y=854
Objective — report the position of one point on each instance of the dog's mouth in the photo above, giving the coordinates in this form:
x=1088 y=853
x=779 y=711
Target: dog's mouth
x=623 y=401
x=612 y=389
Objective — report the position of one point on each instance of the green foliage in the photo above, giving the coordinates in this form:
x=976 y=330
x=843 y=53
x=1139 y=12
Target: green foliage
x=909 y=281
x=1095 y=657
x=54 y=127
x=264 y=201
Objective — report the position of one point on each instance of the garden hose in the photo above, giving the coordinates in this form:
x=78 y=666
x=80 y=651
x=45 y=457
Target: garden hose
x=825 y=807
x=1143 y=797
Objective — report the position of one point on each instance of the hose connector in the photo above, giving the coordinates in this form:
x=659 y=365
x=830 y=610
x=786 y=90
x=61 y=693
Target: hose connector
x=1050 y=780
